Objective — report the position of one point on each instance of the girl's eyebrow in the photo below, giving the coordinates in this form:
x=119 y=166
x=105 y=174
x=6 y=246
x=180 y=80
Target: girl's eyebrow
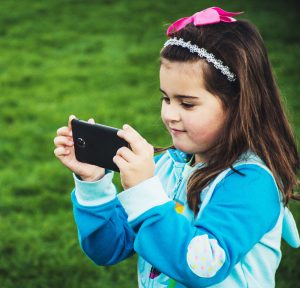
x=180 y=96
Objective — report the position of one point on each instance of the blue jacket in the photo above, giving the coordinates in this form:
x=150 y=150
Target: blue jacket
x=234 y=241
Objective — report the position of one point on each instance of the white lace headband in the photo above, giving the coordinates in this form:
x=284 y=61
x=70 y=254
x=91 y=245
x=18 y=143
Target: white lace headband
x=203 y=54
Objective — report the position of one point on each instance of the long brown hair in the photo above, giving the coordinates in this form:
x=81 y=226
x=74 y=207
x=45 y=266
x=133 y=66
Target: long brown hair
x=256 y=118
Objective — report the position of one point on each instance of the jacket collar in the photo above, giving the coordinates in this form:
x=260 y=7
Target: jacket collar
x=179 y=156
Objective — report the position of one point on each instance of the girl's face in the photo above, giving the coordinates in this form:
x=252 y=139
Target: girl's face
x=193 y=116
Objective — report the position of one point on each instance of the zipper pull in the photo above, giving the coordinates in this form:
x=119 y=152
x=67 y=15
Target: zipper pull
x=154 y=273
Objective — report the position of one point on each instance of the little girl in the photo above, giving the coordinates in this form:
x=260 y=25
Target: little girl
x=211 y=209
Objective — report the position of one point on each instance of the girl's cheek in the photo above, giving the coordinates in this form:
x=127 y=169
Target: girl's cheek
x=162 y=114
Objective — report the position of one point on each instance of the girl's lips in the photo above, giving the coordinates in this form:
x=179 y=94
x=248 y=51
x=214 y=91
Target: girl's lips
x=176 y=132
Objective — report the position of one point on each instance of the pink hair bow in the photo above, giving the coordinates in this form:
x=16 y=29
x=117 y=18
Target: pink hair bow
x=208 y=16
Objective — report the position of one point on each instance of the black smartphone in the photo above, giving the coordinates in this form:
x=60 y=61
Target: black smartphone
x=96 y=144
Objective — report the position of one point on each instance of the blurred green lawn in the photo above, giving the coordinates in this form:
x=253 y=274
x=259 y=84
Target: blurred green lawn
x=95 y=59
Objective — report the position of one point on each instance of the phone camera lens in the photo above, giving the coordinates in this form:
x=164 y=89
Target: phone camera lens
x=80 y=142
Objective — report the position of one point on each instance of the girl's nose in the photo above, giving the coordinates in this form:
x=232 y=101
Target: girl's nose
x=170 y=114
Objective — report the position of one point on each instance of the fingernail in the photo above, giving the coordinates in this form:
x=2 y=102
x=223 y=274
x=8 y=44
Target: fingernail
x=126 y=126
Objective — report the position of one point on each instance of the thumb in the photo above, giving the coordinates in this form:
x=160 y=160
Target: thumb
x=71 y=117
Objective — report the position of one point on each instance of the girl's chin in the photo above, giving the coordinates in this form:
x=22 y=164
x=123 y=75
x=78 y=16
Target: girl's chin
x=181 y=147
x=184 y=147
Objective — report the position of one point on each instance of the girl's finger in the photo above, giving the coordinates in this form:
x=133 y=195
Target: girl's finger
x=134 y=133
x=126 y=154
x=62 y=140
x=120 y=162
x=61 y=151
x=64 y=131
x=91 y=120
x=71 y=117
x=135 y=140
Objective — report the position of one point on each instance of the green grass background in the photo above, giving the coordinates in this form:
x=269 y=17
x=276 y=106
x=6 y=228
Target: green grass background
x=95 y=59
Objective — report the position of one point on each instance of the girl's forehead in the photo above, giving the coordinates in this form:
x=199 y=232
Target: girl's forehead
x=195 y=66
x=182 y=73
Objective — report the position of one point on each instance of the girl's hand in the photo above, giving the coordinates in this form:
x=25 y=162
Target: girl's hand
x=135 y=165
x=65 y=153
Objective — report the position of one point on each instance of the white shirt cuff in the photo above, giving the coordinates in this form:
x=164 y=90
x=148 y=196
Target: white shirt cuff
x=142 y=197
x=97 y=192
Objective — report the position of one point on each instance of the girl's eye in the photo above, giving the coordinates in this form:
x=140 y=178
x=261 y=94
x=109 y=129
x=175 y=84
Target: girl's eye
x=187 y=105
x=163 y=98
